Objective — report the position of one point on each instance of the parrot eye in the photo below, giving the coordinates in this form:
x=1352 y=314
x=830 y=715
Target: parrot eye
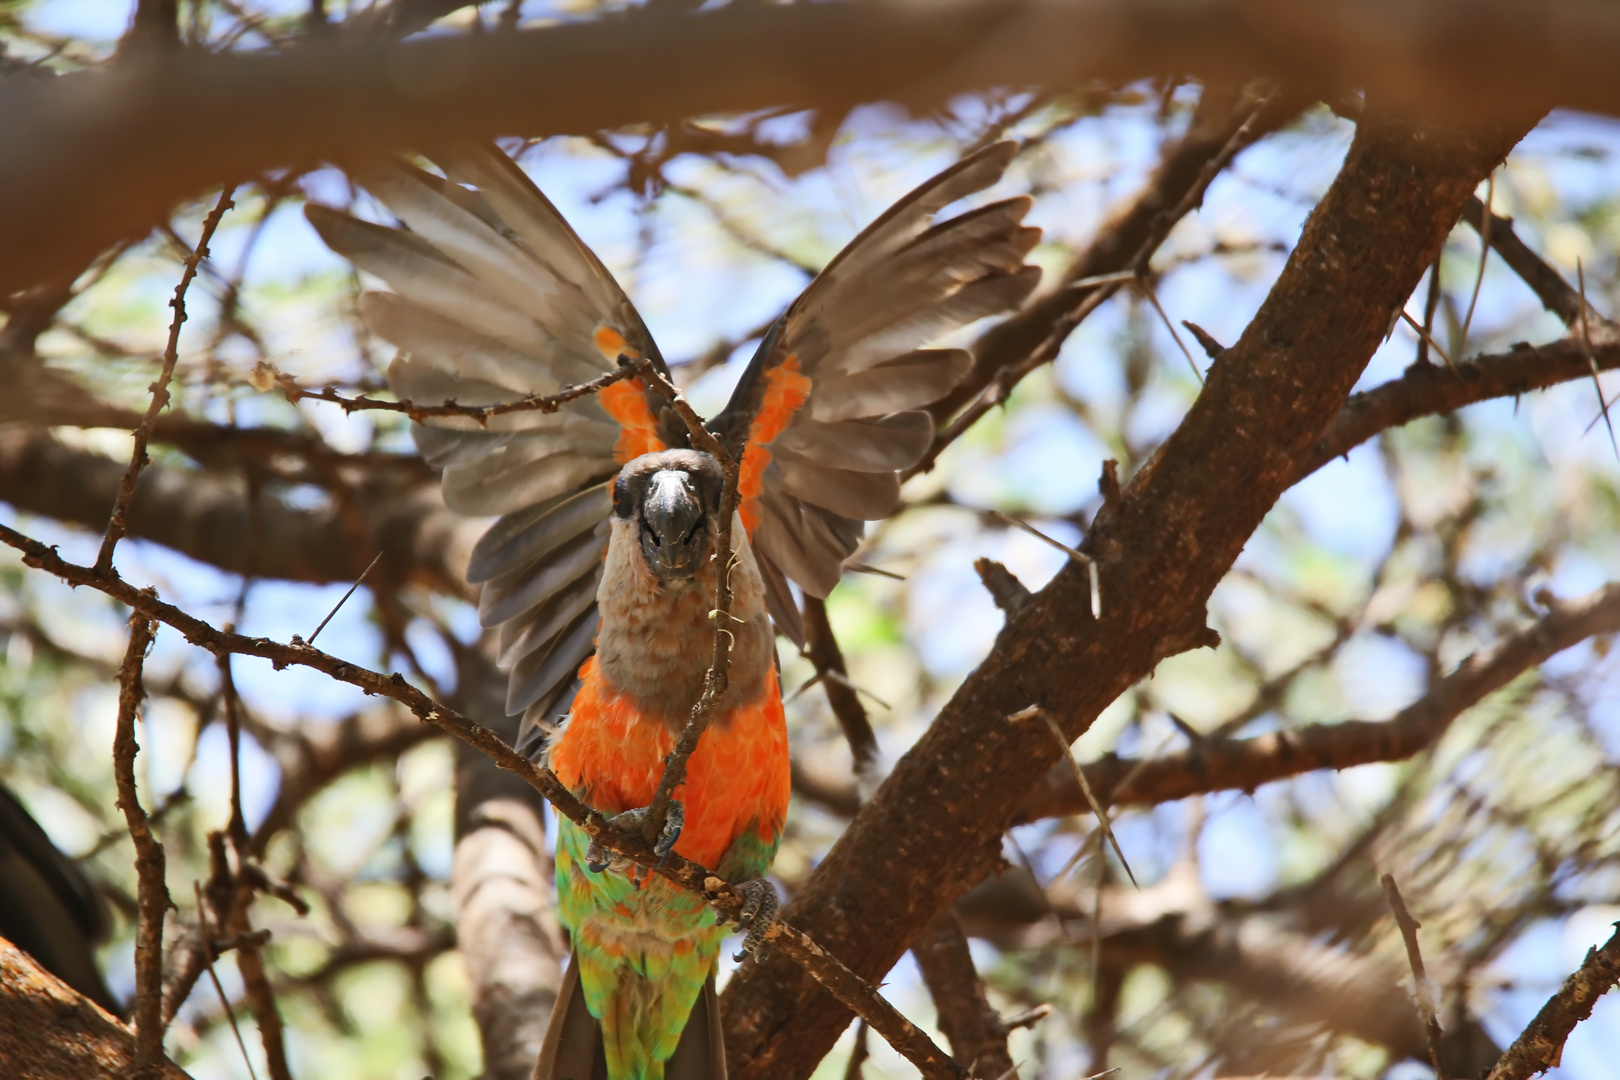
x=622 y=503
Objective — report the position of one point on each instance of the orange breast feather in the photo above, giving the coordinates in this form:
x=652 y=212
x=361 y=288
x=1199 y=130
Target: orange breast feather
x=737 y=776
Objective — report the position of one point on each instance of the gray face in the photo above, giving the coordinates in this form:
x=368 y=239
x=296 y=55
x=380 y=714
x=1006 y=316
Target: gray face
x=673 y=498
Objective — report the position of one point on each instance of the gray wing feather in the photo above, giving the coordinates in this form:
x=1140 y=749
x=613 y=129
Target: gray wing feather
x=907 y=382
x=495 y=298
x=857 y=333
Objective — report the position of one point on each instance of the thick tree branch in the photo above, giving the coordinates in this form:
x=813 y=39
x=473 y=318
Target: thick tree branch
x=1245 y=764
x=348 y=99
x=932 y=829
x=216 y=520
x=48 y=1031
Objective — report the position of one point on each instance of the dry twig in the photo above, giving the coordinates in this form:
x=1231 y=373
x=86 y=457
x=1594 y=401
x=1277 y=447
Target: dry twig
x=481 y=414
x=152 y=891
x=160 y=388
x=1422 y=988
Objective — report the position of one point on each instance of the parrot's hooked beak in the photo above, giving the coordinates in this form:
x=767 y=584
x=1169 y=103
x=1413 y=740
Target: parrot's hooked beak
x=665 y=502
x=673 y=526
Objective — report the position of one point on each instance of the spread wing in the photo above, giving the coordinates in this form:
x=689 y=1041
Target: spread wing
x=495 y=298
x=836 y=390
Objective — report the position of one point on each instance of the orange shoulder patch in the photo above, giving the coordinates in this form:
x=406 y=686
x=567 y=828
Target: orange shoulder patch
x=626 y=402
x=786 y=391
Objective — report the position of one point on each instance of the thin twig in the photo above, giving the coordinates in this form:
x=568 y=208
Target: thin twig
x=1035 y=711
x=1586 y=346
x=219 y=987
x=850 y=989
x=1078 y=556
x=345 y=598
x=717 y=681
x=1423 y=335
x=1486 y=218
x=1422 y=988
x=152 y=891
x=482 y=414
x=236 y=828
x=160 y=388
x=1153 y=298
x=1541 y=1045
x=857 y=1054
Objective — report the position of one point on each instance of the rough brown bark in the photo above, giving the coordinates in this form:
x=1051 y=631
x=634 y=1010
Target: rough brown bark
x=1433 y=389
x=246 y=113
x=1541 y=1045
x=931 y=830
x=50 y=1032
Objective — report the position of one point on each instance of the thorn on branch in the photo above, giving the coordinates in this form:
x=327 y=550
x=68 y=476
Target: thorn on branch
x=1212 y=348
x=1108 y=483
x=1035 y=712
x=1005 y=589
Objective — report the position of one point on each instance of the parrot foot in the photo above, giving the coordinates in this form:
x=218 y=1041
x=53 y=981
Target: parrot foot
x=758 y=913
x=599 y=858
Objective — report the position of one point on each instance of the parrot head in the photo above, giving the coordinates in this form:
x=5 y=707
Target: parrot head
x=672 y=499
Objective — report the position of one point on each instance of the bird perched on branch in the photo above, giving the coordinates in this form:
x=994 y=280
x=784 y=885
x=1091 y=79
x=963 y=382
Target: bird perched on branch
x=600 y=571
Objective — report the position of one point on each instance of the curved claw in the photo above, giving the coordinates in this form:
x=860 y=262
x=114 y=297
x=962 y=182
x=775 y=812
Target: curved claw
x=674 y=822
x=760 y=906
x=599 y=858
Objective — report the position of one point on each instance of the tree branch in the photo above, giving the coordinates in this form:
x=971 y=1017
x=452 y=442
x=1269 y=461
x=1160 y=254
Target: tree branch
x=153 y=892
x=48 y=1031
x=160 y=388
x=348 y=97
x=932 y=829
x=214 y=518
x=1541 y=1045
x=978 y=1037
x=1556 y=295
x=1006 y=352
x=1430 y=390
x=1245 y=764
